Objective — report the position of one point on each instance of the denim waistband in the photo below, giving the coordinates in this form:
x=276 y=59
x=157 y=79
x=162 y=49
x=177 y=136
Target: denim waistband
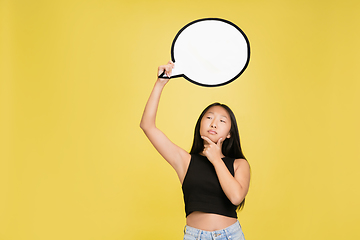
x=226 y=231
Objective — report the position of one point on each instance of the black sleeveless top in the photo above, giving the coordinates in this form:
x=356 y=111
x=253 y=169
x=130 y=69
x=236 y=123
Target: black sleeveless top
x=202 y=190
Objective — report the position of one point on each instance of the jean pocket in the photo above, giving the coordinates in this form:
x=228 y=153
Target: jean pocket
x=238 y=235
x=189 y=237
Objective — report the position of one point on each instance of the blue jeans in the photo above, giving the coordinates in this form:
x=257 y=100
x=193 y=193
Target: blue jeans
x=233 y=232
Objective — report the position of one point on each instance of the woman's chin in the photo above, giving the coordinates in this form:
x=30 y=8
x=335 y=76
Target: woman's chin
x=214 y=139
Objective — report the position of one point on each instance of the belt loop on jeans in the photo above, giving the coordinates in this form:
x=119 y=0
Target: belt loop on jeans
x=228 y=236
x=198 y=237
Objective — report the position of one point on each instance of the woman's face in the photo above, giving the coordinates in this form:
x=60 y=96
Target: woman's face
x=215 y=124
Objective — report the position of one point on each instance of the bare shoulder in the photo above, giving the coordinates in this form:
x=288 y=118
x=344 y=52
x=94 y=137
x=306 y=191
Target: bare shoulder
x=241 y=164
x=242 y=172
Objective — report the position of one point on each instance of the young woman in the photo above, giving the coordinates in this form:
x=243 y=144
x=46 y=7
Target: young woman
x=215 y=175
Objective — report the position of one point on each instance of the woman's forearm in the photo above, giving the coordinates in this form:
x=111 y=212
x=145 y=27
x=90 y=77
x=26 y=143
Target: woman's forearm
x=149 y=116
x=231 y=187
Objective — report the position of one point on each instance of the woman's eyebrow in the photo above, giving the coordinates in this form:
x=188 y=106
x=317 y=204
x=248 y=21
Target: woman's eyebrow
x=220 y=115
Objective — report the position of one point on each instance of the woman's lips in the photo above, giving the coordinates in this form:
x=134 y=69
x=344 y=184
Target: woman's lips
x=212 y=132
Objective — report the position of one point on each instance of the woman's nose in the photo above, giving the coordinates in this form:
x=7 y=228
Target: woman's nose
x=213 y=125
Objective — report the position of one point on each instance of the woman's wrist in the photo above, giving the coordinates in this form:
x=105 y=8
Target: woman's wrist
x=161 y=82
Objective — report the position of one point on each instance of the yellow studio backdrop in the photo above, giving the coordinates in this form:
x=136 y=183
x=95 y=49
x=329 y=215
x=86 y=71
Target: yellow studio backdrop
x=75 y=77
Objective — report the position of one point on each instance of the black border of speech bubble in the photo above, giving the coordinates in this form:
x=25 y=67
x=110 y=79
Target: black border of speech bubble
x=209 y=85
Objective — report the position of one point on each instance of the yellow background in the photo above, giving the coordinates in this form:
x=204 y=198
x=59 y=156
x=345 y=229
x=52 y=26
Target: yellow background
x=75 y=76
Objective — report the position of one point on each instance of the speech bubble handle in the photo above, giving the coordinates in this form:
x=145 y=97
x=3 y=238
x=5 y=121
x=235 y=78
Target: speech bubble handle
x=176 y=72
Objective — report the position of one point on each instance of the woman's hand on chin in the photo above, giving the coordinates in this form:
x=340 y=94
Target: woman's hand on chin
x=212 y=150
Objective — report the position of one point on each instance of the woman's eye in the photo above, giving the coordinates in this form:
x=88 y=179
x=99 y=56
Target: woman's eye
x=222 y=121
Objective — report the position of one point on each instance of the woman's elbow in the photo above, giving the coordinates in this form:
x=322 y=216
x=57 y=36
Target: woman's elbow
x=237 y=199
x=146 y=127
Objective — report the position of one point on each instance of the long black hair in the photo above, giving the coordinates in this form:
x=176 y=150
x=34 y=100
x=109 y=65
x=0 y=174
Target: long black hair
x=231 y=147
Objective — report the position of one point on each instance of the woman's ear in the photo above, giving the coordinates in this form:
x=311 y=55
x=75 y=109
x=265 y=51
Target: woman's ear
x=228 y=136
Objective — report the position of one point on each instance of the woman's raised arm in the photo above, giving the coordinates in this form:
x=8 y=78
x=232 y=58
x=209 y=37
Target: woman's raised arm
x=149 y=115
x=173 y=154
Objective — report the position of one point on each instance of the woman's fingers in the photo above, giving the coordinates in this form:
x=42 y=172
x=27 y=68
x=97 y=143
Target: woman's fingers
x=161 y=69
x=212 y=150
x=207 y=139
x=219 y=142
x=167 y=68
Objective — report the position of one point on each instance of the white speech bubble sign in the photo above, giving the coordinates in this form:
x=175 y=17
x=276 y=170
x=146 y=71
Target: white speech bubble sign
x=210 y=52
